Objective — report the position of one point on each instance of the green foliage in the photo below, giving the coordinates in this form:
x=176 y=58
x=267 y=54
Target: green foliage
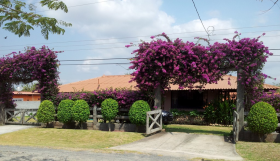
x=64 y=111
x=220 y=112
x=80 y=111
x=46 y=111
x=29 y=87
x=262 y=118
x=20 y=22
x=176 y=112
x=137 y=113
x=109 y=109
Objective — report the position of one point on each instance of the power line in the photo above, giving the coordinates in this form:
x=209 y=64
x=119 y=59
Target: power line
x=136 y=36
x=98 y=64
x=118 y=63
x=96 y=59
x=138 y=41
x=200 y=19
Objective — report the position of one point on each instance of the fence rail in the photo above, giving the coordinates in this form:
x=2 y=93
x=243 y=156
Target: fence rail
x=21 y=116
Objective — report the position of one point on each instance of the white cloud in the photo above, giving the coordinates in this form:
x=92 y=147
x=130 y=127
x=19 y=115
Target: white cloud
x=89 y=68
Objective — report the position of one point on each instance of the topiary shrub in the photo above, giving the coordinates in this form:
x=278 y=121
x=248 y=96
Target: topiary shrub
x=138 y=112
x=46 y=111
x=64 y=111
x=80 y=111
x=262 y=118
x=109 y=109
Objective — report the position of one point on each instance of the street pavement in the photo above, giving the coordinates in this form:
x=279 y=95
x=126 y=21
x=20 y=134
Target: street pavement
x=17 y=153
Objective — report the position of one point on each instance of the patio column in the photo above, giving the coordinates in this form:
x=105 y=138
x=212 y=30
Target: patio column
x=240 y=102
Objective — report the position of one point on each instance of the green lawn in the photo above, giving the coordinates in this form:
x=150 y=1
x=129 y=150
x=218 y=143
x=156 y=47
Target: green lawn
x=208 y=130
x=68 y=138
x=258 y=151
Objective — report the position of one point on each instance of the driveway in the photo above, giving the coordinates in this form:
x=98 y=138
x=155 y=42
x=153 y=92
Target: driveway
x=11 y=128
x=185 y=145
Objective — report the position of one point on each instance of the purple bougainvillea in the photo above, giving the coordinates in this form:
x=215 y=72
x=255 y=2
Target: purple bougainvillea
x=34 y=64
x=161 y=63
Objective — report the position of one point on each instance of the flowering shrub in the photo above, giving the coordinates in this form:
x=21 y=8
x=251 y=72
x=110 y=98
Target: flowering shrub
x=272 y=98
x=35 y=64
x=123 y=96
x=161 y=63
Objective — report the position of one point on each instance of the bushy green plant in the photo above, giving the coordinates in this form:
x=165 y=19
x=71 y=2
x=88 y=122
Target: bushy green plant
x=138 y=112
x=64 y=113
x=262 y=118
x=220 y=112
x=80 y=111
x=109 y=109
x=46 y=111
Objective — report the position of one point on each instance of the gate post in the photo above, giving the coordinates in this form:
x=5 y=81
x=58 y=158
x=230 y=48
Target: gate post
x=2 y=114
x=240 y=102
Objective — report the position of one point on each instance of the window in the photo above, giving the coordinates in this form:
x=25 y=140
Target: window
x=17 y=99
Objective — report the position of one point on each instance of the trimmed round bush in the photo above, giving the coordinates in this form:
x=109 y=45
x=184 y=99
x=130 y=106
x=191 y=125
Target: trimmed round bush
x=80 y=111
x=46 y=111
x=138 y=112
x=109 y=109
x=262 y=118
x=64 y=111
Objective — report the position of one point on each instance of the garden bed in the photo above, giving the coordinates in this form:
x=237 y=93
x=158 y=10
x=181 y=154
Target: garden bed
x=123 y=127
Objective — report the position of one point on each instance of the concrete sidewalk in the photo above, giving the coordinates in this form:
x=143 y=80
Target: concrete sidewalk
x=11 y=128
x=185 y=145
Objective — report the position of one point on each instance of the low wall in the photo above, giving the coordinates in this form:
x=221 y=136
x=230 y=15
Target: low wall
x=253 y=137
x=28 y=104
x=124 y=127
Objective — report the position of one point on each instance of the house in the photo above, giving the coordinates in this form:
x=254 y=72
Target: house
x=26 y=96
x=186 y=99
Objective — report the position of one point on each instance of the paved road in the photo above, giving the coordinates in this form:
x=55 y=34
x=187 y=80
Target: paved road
x=185 y=145
x=16 y=153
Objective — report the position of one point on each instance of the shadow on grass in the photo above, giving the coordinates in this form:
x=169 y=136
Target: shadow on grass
x=208 y=132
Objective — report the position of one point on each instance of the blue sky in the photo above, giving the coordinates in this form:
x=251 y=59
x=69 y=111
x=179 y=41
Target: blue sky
x=108 y=24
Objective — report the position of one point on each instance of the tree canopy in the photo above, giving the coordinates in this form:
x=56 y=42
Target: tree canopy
x=15 y=18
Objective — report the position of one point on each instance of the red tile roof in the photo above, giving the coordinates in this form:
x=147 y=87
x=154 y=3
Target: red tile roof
x=121 y=81
x=26 y=93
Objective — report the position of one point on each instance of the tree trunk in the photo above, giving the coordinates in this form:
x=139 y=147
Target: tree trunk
x=240 y=103
x=157 y=92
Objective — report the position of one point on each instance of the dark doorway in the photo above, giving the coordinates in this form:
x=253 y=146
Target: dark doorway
x=187 y=100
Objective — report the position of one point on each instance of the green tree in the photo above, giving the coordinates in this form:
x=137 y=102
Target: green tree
x=29 y=87
x=17 y=20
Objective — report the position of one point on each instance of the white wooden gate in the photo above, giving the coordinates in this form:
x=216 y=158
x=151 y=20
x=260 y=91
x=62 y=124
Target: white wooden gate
x=156 y=124
x=21 y=116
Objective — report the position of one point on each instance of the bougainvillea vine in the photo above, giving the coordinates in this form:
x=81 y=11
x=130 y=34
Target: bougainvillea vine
x=34 y=64
x=161 y=63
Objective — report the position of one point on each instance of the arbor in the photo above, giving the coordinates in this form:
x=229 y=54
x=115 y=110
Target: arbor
x=19 y=21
